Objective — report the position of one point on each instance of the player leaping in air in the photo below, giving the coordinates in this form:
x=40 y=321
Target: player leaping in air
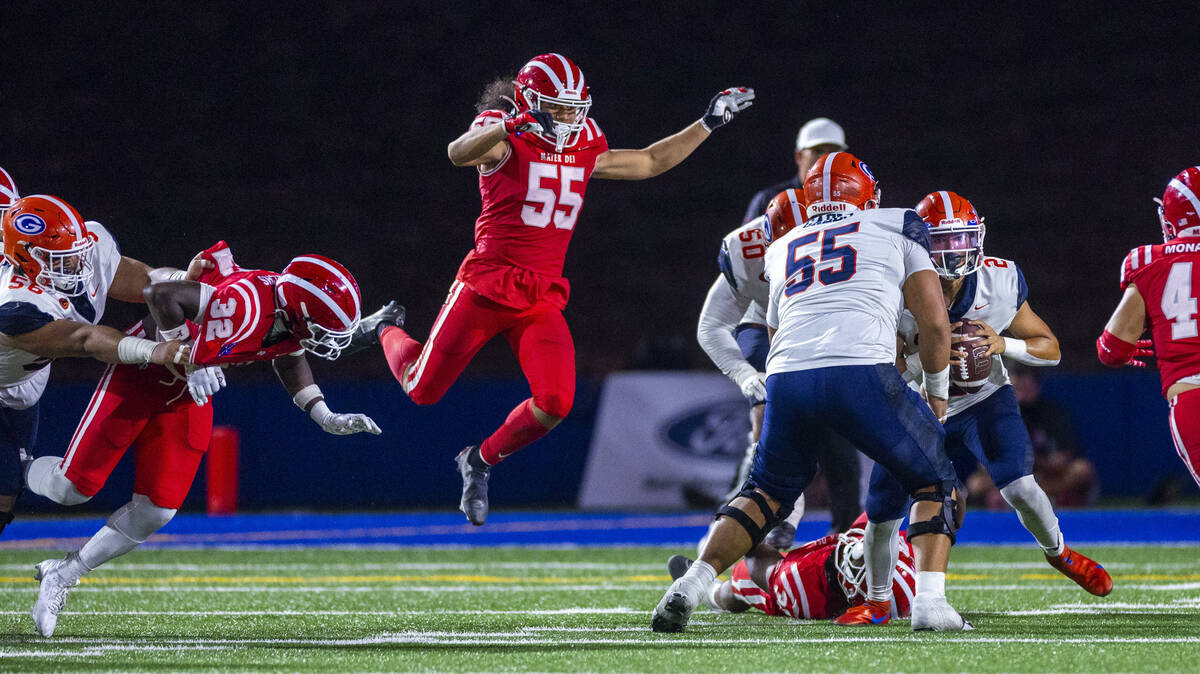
x=534 y=153
x=985 y=423
x=1161 y=285
x=235 y=316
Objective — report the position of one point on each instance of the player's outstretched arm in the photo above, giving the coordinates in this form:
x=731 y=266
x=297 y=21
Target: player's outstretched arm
x=1118 y=344
x=172 y=304
x=923 y=297
x=722 y=311
x=296 y=376
x=67 y=339
x=133 y=276
x=670 y=151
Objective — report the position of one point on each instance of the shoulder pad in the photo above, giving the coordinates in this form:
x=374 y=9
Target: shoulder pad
x=1137 y=259
x=915 y=228
x=726 y=265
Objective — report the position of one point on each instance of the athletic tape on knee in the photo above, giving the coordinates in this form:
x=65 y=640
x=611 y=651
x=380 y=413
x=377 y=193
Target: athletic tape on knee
x=140 y=518
x=943 y=523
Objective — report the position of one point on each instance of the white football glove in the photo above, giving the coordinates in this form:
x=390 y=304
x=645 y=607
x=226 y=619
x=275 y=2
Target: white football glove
x=754 y=386
x=725 y=105
x=205 y=382
x=348 y=424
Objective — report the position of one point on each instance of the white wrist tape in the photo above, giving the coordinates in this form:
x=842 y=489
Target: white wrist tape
x=1018 y=350
x=181 y=332
x=320 y=412
x=307 y=396
x=937 y=384
x=135 y=350
x=161 y=274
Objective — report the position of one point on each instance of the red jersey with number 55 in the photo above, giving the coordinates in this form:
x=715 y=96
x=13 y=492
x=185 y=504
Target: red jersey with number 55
x=1167 y=276
x=531 y=201
x=237 y=314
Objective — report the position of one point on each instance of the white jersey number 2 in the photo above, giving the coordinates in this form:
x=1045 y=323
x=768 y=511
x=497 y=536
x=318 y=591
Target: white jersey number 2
x=561 y=205
x=1178 y=303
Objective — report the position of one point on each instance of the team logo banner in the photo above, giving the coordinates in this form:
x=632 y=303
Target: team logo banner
x=660 y=435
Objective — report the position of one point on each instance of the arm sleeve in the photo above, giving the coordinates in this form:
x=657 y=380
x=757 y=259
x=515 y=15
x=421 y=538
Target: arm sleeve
x=18 y=318
x=720 y=315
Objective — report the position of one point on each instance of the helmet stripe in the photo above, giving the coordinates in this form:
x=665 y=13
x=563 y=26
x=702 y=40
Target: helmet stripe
x=321 y=295
x=250 y=299
x=78 y=226
x=566 y=65
x=554 y=79
x=826 y=175
x=797 y=217
x=1187 y=193
x=7 y=186
x=336 y=272
x=946 y=204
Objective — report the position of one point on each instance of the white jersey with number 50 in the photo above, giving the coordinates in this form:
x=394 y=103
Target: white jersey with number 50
x=835 y=287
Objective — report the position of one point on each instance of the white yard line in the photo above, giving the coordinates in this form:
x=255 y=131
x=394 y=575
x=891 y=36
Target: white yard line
x=371 y=566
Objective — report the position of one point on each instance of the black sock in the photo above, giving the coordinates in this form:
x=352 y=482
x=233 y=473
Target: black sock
x=476 y=459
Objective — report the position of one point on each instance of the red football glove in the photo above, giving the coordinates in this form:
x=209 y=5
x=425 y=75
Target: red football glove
x=1145 y=349
x=535 y=121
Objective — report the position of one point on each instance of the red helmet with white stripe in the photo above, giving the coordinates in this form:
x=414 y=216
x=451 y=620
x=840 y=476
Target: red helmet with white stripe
x=955 y=233
x=549 y=81
x=839 y=182
x=785 y=211
x=46 y=238
x=850 y=562
x=322 y=304
x=1179 y=208
x=8 y=191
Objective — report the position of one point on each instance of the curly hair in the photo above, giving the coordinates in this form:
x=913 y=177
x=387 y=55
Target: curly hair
x=497 y=95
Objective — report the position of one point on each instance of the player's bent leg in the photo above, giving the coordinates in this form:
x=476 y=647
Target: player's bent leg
x=367 y=334
x=1184 y=422
x=934 y=520
x=46 y=477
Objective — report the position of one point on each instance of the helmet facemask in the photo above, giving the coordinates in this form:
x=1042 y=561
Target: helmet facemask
x=324 y=342
x=565 y=134
x=851 y=564
x=68 y=272
x=956 y=250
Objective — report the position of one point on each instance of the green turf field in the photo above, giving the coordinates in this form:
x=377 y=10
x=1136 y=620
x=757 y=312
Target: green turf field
x=487 y=609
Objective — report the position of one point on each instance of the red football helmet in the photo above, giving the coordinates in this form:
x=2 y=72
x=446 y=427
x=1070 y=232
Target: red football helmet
x=839 y=182
x=785 y=211
x=552 y=79
x=955 y=233
x=8 y=191
x=850 y=562
x=48 y=241
x=322 y=303
x=1179 y=208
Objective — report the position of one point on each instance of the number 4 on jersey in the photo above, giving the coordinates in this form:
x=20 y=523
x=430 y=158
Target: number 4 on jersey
x=561 y=204
x=1178 y=303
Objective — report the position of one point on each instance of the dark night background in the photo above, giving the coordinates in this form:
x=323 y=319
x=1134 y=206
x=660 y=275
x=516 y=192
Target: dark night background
x=308 y=127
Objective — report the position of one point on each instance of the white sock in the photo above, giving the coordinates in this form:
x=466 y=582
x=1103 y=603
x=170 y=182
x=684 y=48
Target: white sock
x=797 y=512
x=108 y=543
x=73 y=569
x=697 y=580
x=931 y=582
x=881 y=552
x=1035 y=512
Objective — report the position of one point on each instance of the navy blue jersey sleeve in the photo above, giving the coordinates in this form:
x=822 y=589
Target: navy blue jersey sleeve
x=18 y=318
x=726 y=265
x=1022 y=287
x=916 y=229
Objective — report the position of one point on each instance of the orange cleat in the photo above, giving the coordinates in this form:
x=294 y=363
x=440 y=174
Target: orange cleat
x=1087 y=573
x=870 y=613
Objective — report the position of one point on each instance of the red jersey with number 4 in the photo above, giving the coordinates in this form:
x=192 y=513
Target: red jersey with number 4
x=237 y=314
x=1167 y=276
x=531 y=201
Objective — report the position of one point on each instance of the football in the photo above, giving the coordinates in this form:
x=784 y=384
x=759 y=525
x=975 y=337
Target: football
x=973 y=371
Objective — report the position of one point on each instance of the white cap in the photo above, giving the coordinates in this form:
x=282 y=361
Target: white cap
x=820 y=131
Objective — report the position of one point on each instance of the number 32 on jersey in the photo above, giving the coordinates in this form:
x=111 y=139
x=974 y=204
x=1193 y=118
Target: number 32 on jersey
x=551 y=195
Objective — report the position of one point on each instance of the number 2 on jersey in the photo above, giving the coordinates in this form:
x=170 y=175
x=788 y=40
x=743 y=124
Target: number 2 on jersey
x=561 y=205
x=1178 y=303
x=806 y=266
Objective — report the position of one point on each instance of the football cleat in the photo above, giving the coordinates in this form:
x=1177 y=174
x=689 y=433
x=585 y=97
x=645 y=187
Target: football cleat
x=474 y=503
x=870 y=613
x=782 y=536
x=673 y=611
x=367 y=332
x=1086 y=572
x=932 y=613
x=678 y=565
x=52 y=595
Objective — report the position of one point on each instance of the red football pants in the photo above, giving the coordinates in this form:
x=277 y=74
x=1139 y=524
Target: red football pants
x=538 y=336
x=148 y=408
x=1185 y=430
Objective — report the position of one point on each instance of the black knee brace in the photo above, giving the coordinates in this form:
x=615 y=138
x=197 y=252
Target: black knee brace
x=5 y=520
x=770 y=517
x=945 y=522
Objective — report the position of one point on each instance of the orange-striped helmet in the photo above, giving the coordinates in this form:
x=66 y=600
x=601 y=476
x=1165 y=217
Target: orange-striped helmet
x=839 y=182
x=955 y=233
x=785 y=211
x=46 y=238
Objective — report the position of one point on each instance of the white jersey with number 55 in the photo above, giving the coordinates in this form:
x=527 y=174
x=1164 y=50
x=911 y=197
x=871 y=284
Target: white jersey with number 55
x=836 y=287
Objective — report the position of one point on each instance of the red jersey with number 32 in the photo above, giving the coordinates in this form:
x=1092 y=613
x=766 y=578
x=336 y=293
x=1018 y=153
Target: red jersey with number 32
x=238 y=314
x=1167 y=276
x=531 y=201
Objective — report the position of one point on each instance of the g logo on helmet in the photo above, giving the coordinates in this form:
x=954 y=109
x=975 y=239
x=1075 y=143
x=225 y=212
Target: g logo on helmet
x=29 y=224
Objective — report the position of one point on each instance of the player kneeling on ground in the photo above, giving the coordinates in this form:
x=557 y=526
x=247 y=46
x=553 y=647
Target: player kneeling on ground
x=236 y=316
x=835 y=285
x=816 y=581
